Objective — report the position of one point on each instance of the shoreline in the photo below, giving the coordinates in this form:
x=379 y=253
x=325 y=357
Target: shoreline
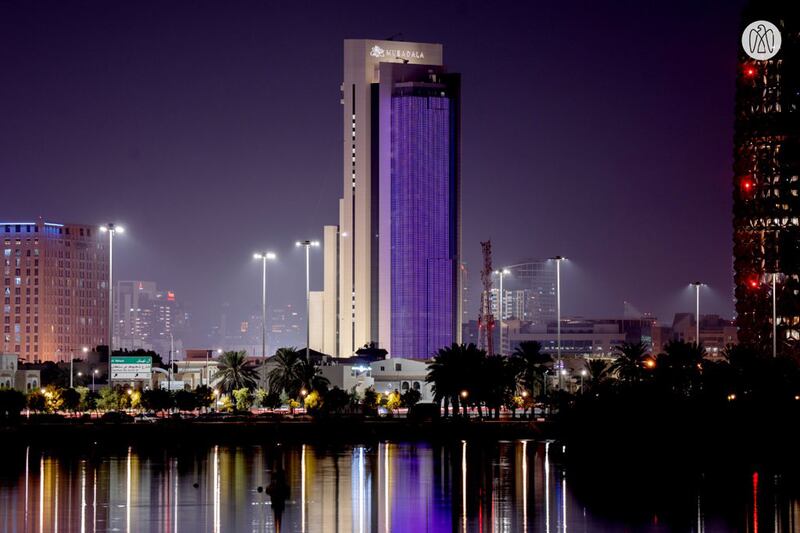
x=190 y=432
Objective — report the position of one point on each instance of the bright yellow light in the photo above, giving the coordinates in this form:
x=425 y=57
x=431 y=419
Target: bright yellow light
x=464 y=394
x=303 y=392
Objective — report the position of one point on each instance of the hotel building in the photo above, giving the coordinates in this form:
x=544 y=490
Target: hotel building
x=392 y=263
x=55 y=289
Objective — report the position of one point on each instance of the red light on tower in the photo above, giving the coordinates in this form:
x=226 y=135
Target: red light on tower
x=747 y=184
x=753 y=283
x=750 y=71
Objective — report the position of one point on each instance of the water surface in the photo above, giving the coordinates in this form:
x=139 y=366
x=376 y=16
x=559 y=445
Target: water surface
x=381 y=487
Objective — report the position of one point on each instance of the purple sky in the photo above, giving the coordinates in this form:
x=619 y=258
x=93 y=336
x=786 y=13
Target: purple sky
x=598 y=132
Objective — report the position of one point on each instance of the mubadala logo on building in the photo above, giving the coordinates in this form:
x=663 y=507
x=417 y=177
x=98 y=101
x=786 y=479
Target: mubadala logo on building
x=377 y=51
x=761 y=40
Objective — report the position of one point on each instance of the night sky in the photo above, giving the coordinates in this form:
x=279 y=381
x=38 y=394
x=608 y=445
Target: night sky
x=601 y=131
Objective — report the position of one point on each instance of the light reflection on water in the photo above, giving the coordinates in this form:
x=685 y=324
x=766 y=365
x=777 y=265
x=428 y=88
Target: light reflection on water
x=383 y=487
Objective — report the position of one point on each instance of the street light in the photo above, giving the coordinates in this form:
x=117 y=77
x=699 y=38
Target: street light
x=94 y=373
x=112 y=229
x=558 y=259
x=754 y=284
x=583 y=375
x=501 y=273
x=264 y=257
x=774 y=318
x=697 y=285
x=307 y=245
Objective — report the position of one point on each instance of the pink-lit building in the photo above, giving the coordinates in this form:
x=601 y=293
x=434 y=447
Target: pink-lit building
x=55 y=289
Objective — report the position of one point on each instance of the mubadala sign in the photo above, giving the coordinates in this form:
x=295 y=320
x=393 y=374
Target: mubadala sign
x=381 y=53
x=127 y=368
x=761 y=40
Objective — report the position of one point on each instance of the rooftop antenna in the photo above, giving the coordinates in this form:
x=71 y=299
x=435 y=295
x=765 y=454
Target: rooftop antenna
x=394 y=36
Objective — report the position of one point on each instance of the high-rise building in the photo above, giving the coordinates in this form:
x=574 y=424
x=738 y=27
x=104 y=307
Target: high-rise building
x=55 y=289
x=392 y=264
x=766 y=199
x=529 y=292
x=144 y=317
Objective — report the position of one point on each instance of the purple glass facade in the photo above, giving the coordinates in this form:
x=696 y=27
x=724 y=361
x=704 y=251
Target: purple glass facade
x=422 y=236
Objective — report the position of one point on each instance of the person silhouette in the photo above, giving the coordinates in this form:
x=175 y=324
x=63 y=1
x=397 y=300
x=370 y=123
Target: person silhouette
x=278 y=490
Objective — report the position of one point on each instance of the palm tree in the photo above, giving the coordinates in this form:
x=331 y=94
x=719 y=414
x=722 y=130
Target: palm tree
x=599 y=370
x=533 y=365
x=629 y=364
x=309 y=377
x=234 y=372
x=442 y=373
x=283 y=377
x=678 y=368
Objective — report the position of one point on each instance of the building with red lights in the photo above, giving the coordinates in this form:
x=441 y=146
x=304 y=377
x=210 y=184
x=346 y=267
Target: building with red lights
x=766 y=199
x=55 y=289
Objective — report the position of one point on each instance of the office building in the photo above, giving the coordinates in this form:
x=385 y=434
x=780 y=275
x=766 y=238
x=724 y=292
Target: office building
x=392 y=262
x=766 y=204
x=55 y=289
x=145 y=317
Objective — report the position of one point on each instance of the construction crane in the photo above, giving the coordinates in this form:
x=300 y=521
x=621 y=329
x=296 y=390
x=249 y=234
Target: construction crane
x=486 y=318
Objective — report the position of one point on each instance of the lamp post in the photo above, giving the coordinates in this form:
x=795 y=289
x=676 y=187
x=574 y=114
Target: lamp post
x=71 y=362
x=94 y=373
x=500 y=308
x=558 y=259
x=307 y=245
x=697 y=285
x=774 y=318
x=583 y=374
x=112 y=229
x=264 y=257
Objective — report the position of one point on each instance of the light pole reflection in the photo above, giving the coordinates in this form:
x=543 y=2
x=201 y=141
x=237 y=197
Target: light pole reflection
x=525 y=486
x=547 y=487
x=303 y=488
x=215 y=473
x=128 y=493
x=464 y=486
x=83 y=496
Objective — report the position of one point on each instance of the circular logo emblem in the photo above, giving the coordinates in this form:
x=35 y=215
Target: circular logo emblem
x=761 y=40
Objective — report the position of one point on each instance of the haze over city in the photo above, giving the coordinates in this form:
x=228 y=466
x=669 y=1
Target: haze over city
x=214 y=133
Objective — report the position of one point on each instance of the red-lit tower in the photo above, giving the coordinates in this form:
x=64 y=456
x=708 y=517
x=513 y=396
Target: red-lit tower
x=766 y=198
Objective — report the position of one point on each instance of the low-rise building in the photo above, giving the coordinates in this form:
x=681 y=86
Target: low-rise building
x=402 y=375
x=13 y=377
x=348 y=377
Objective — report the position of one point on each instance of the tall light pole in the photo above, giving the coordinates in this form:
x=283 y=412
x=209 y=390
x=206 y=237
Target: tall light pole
x=558 y=260
x=774 y=318
x=112 y=229
x=264 y=257
x=94 y=373
x=697 y=285
x=501 y=273
x=307 y=245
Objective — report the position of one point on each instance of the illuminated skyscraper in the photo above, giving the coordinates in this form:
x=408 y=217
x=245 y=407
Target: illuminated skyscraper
x=55 y=289
x=397 y=247
x=766 y=207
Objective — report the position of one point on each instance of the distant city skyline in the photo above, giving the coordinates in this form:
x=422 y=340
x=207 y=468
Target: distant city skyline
x=213 y=136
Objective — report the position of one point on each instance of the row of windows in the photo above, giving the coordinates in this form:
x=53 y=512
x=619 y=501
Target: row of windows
x=54 y=230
